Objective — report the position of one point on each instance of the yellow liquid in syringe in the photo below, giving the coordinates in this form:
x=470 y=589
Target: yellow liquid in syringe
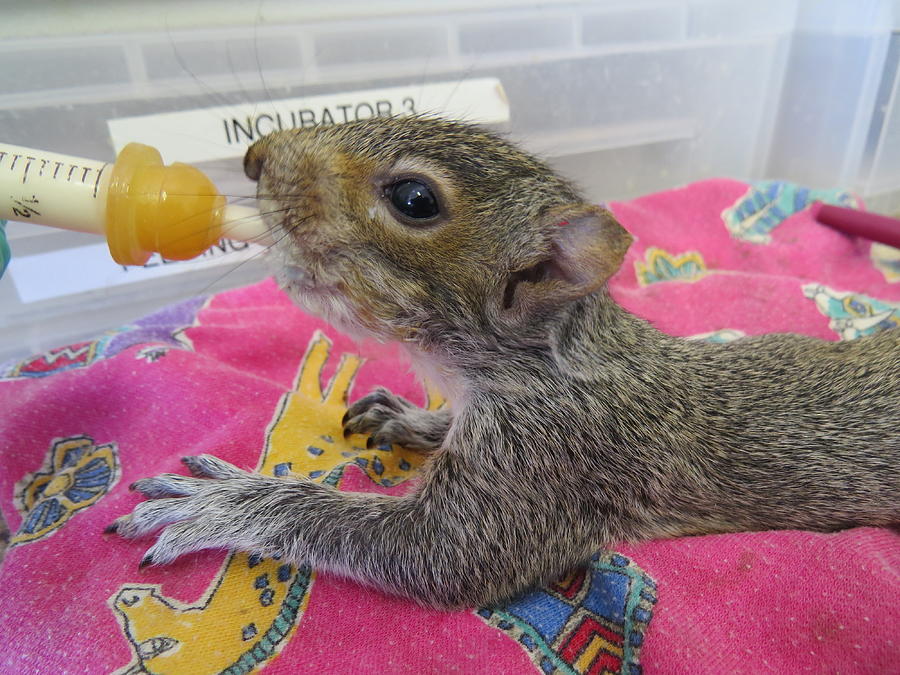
x=141 y=206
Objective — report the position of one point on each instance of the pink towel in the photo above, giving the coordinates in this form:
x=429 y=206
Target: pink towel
x=246 y=376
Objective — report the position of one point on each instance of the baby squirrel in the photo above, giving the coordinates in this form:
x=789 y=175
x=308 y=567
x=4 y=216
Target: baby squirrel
x=571 y=423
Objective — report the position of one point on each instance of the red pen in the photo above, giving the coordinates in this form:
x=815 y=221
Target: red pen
x=876 y=227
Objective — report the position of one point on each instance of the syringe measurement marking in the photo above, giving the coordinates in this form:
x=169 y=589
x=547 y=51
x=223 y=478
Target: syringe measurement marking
x=27 y=166
x=97 y=182
x=27 y=211
x=24 y=210
x=85 y=170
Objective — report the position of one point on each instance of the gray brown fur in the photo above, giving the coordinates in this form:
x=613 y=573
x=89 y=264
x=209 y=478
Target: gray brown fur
x=571 y=424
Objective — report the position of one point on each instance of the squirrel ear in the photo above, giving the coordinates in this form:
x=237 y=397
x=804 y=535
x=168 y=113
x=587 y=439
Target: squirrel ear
x=587 y=248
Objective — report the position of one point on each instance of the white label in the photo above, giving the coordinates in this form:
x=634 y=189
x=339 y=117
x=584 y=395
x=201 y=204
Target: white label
x=87 y=268
x=226 y=131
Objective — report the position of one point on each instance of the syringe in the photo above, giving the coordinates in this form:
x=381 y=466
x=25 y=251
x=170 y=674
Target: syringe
x=137 y=203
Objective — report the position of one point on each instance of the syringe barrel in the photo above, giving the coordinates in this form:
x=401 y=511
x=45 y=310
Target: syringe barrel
x=52 y=189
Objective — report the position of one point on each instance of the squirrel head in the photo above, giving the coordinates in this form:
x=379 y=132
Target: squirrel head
x=428 y=231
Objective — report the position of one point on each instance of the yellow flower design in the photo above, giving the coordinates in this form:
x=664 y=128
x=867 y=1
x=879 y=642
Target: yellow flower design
x=76 y=473
x=659 y=265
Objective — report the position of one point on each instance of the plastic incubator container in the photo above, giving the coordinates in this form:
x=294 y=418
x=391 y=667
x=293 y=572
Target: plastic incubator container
x=624 y=98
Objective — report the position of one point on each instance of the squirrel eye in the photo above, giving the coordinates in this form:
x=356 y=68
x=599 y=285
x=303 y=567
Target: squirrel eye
x=413 y=199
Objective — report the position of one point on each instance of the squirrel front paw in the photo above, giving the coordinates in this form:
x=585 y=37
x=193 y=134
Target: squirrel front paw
x=390 y=419
x=221 y=506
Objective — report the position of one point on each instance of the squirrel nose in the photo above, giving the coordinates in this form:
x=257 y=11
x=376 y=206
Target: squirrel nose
x=253 y=161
